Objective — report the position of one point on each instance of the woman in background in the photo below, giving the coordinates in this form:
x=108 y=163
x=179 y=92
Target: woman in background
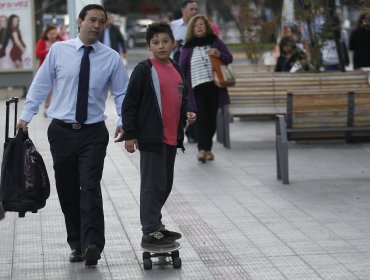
x=63 y=33
x=290 y=55
x=204 y=96
x=43 y=45
x=48 y=38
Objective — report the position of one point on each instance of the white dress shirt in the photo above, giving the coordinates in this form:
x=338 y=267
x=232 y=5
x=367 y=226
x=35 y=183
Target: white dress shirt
x=60 y=73
x=178 y=29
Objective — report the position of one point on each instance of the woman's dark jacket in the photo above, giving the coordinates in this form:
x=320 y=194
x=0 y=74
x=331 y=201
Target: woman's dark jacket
x=141 y=112
x=185 y=58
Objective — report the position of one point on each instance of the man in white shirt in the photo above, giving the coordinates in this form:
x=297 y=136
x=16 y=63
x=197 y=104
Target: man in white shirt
x=189 y=8
x=79 y=147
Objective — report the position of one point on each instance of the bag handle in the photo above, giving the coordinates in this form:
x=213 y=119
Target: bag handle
x=8 y=102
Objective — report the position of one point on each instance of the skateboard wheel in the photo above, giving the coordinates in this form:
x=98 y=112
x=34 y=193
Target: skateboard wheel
x=175 y=254
x=147 y=264
x=146 y=255
x=176 y=262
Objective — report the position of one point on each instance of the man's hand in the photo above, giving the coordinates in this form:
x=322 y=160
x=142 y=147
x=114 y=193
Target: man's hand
x=22 y=125
x=131 y=145
x=118 y=134
x=191 y=117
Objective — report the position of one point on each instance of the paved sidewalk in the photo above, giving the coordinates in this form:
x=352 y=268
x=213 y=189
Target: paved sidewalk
x=237 y=220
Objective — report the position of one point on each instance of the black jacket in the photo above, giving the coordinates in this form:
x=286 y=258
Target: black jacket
x=141 y=116
x=360 y=45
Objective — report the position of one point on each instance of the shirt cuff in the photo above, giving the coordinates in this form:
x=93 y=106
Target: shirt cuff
x=26 y=116
x=119 y=122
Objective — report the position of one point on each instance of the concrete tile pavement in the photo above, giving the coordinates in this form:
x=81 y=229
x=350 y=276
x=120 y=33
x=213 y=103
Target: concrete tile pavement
x=237 y=220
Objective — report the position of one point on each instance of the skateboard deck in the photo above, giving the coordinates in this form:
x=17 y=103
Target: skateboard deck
x=170 y=256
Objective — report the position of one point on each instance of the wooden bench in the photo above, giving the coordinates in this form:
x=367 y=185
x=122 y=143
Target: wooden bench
x=264 y=93
x=320 y=115
x=242 y=69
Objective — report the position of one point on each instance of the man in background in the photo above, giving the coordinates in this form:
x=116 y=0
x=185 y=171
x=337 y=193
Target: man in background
x=112 y=37
x=189 y=8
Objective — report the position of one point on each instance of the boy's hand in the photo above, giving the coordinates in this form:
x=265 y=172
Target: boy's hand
x=22 y=125
x=131 y=145
x=118 y=135
x=191 y=117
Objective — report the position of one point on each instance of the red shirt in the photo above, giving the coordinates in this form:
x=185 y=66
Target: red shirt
x=171 y=98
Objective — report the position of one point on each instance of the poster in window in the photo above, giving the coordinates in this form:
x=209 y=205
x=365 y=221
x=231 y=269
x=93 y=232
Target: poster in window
x=16 y=35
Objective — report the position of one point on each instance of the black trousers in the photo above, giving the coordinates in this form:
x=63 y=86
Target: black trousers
x=156 y=170
x=206 y=97
x=78 y=156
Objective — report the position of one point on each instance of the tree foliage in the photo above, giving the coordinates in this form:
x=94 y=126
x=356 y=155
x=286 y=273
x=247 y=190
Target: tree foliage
x=253 y=27
x=255 y=31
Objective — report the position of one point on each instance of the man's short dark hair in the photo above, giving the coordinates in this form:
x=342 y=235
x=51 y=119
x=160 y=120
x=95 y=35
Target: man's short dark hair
x=158 y=27
x=89 y=7
x=185 y=2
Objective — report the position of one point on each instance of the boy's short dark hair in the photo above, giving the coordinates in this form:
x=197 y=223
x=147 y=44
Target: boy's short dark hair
x=185 y=2
x=89 y=7
x=158 y=27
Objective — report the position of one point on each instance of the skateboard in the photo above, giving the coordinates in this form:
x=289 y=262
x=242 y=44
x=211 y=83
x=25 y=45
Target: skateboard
x=164 y=257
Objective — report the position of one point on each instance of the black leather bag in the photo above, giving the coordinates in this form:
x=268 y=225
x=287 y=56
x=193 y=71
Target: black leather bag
x=25 y=184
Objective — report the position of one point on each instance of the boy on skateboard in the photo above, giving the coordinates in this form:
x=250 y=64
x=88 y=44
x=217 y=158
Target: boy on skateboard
x=154 y=113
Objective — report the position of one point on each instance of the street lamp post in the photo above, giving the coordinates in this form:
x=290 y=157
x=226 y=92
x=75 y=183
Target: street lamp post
x=71 y=9
x=202 y=6
x=337 y=33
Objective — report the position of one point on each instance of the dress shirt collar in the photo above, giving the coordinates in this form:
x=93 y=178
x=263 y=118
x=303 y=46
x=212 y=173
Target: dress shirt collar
x=79 y=44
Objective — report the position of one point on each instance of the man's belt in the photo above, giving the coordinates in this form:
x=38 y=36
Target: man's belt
x=75 y=126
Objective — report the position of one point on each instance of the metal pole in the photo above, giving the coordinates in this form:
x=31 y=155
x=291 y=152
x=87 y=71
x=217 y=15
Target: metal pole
x=335 y=21
x=71 y=8
x=202 y=5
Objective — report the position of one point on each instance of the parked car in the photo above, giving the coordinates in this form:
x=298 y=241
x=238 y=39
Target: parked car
x=136 y=32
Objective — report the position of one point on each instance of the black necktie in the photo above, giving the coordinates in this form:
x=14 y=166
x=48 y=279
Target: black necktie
x=83 y=86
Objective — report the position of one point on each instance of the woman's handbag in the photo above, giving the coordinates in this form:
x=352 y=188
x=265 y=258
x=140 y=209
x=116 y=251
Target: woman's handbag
x=223 y=74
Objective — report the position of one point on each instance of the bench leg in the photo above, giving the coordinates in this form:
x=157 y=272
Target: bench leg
x=282 y=160
x=282 y=163
x=220 y=126
x=226 y=125
x=278 y=152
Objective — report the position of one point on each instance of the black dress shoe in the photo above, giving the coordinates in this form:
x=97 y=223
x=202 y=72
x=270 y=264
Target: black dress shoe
x=92 y=255
x=76 y=256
